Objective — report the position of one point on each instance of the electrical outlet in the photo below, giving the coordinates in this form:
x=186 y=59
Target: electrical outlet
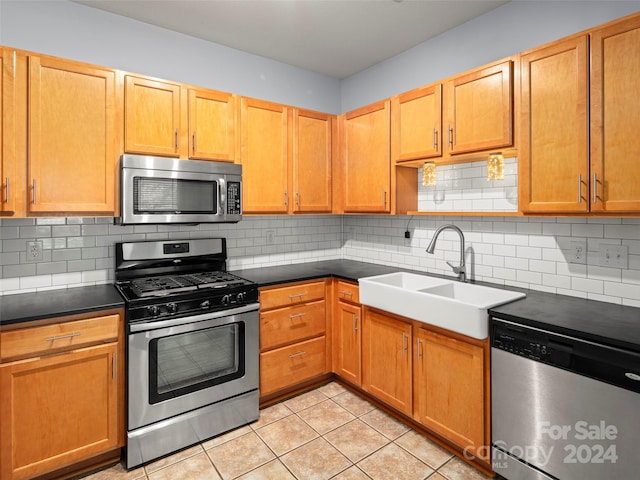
x=578 y=252
x=271 y=237
x=34 y=251
x=615 y=256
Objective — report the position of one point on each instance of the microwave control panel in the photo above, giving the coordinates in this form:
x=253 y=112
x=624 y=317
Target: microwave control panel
x=233 y=198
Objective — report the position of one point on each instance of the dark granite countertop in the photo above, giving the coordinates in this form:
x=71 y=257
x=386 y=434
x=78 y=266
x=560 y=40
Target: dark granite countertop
x=608 y=323
x=26 y=307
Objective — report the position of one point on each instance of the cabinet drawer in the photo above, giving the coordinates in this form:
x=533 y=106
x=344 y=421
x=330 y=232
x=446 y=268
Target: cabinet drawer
x=290 y=365
x=347 y=291
x=38 y=341
x=291 y=324
x=295 y=294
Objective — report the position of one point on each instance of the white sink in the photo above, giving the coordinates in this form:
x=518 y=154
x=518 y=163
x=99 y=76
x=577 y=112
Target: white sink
x=456 y=306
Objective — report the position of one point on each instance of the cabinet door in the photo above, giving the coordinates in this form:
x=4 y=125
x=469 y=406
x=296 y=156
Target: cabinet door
x=416 y=123
x=386 y=359
x=367 y=166
x=264 y=156
x=480 y=109
x=212 y=125
x=57 y=411
x=615 y=118
x=152 y=117
x=8 y=184
x=449 y=386
x=554 y=162
x=72 y=137
x=312 y=140
x=347 y=342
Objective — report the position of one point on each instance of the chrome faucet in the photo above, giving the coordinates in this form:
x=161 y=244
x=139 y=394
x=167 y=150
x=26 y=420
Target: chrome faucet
x=461 y=269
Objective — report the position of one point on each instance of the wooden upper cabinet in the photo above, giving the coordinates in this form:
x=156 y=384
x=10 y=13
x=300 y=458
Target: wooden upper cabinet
x=367 y=164
x=152 y=117
x=615 y=117
x=416 y=124
x=264 y=156
x=554 y=161
x=8 y=181
x=313 y=134
x=72 y=137
x=211 y=125
x=479 y=108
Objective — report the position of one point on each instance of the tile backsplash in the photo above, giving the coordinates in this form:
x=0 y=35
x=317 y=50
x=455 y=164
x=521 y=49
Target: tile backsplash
x=463 y=187
x=531 y=252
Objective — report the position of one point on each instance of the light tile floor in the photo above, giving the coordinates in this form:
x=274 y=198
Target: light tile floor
x=327 y=433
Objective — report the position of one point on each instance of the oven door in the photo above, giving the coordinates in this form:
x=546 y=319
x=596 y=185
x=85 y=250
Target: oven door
x=177 y=365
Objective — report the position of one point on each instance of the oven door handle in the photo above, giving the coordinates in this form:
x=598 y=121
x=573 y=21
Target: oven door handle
x=174 y=322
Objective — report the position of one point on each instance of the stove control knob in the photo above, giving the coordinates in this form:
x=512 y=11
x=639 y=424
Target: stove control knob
x=240 y=297
x=172 y=307
x=205 y=304
x=226 y=300
x=153 y=310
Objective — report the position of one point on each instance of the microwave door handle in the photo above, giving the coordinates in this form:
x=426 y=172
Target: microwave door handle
x=222 y=195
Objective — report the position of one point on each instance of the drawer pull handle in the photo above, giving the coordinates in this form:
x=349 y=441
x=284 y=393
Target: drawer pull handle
x=299 y=354
x=355 y=324
x=60 y=337
x=296 y=296
x=6 y=190
x=297 y=315
x=346 y=294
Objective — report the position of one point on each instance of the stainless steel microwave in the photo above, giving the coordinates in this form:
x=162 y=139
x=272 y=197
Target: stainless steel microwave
x=170 y=190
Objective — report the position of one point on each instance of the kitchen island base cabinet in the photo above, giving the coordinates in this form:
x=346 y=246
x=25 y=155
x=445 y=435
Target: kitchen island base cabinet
x=449 y=385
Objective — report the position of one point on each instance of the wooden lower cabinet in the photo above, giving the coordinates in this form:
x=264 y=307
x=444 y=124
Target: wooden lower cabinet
x=293 y=336
x=61 y=396
x=287 y=366
x=449 y=388
x=347 y=333
x=386 y=359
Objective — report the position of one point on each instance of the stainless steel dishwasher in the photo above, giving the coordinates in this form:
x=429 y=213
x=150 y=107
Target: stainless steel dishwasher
x=562 y=407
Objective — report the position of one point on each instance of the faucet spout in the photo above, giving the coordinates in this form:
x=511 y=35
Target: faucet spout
x=460 y=270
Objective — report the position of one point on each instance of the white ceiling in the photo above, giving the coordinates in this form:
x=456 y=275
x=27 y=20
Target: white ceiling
x=334 y=37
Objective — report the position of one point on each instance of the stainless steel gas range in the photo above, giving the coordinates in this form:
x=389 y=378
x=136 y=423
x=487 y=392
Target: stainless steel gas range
x=192 y=345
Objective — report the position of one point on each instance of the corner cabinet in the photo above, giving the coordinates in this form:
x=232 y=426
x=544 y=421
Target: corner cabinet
x=615 y=117
x=72 y=137
x=347 y=332
x=387 y=358
x=450 y=389
x=367 y=163
x=62 y=395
